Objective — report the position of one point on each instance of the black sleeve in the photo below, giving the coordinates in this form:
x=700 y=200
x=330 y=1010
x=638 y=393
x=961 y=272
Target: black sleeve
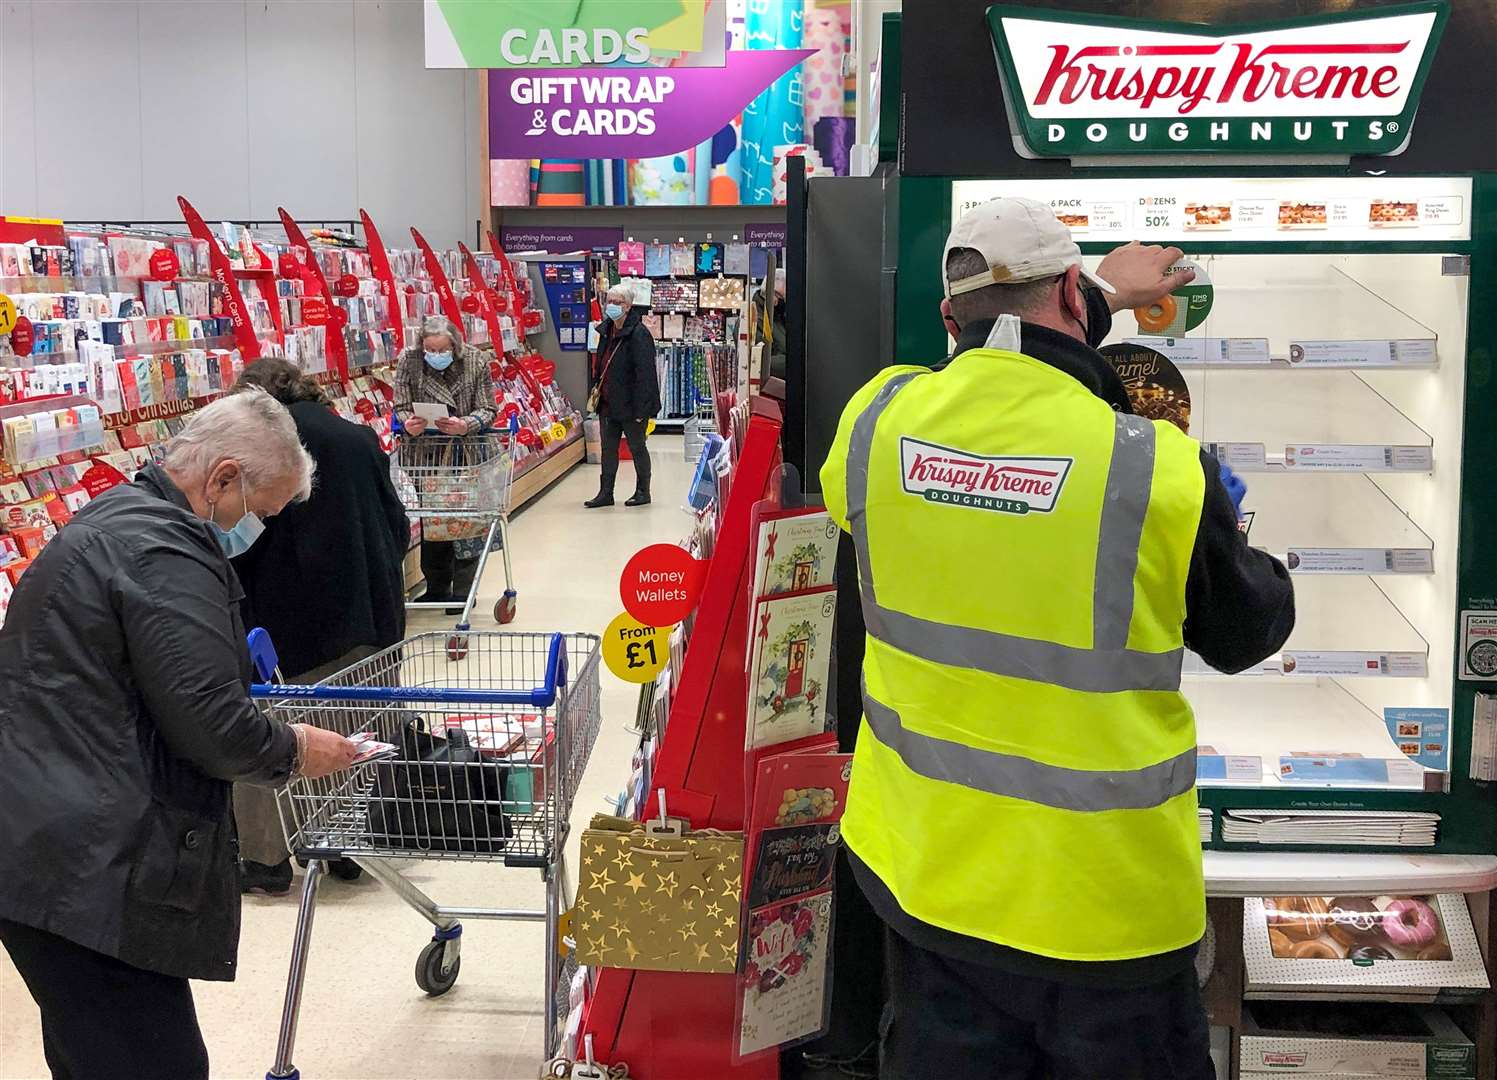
x=186 y=660
x=646 y=387
x=847 y=658
x=1239 y=601
x=389 y=500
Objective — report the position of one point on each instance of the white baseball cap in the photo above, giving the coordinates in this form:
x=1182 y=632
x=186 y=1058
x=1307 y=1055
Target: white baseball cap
x=1021 y=239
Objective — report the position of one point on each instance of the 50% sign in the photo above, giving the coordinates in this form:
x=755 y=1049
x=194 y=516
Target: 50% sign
x=659 y=587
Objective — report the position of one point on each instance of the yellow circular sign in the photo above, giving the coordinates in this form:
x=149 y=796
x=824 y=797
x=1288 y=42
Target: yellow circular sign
x=558 y=432
x=634 y=652
x=7 y=314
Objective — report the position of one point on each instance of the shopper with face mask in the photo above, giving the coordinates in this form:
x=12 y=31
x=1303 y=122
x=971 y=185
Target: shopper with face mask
x=326 y=580
x=444 y=371
x=1022 y=815
x=126 y=716
x=627 y=393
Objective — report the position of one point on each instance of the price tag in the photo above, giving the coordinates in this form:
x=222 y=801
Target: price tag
x=1348 y=457
x=635 y=652
x=558 y=432
x=1360 y=560
x=7 y=314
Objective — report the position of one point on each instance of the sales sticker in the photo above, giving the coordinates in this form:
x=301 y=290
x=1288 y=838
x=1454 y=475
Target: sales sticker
x=1479 y=645
x=635 y=652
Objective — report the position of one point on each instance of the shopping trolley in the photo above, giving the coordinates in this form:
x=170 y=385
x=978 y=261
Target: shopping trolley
x=487 y=757
x=466 y=477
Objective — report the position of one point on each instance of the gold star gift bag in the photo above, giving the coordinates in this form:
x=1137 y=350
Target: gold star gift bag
x=658 y=898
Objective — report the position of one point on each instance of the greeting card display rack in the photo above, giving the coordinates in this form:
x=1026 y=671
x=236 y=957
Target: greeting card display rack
x=670 y=1024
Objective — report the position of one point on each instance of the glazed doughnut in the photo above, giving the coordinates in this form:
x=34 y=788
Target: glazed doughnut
x=1410 y=924
x=1279 y=943
x=1369 y=952
x=1155 y=318
x=1438 y=951
x=1300 y=917
x=1355 y=920
x=1315 y=949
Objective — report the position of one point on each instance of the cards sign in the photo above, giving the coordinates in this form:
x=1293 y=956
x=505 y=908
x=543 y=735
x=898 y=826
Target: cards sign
x=1341 y=84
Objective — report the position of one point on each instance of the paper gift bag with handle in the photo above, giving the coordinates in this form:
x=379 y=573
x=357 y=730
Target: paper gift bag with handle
x=658 y=898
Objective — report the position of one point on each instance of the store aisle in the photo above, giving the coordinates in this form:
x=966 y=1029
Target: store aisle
x=362 y=1016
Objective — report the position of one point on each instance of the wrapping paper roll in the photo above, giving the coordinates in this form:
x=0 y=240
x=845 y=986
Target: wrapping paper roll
x=723 y=188
x=661 y=181
x=834 y=138
x=777 y=115
x=509 y=182
x=821 y=75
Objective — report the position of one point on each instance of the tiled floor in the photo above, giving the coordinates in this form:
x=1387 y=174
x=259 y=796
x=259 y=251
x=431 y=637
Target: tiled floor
x=362 y=1016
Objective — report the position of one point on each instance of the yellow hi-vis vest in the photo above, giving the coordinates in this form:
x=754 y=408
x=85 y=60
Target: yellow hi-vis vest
x=1025 y=768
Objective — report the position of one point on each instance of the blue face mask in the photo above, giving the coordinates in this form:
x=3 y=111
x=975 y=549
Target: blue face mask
x=613 y=311
x=438 y=361
x=241 y=537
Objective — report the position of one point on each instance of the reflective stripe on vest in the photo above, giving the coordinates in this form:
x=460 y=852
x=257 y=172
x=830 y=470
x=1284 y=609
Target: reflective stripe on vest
x=1109 y=666
x=1023 y=778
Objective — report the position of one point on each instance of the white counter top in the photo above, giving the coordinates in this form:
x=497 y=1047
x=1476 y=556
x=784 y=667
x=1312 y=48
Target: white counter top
x=1277 y=873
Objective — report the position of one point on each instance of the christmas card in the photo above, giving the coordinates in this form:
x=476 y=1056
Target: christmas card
x=787 y=677
x=795 y=551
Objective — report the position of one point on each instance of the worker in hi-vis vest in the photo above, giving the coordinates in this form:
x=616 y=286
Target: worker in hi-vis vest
x=1032 y=561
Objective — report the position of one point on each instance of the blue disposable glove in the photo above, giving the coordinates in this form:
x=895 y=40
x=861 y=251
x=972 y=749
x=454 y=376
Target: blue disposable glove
x=1236 y=489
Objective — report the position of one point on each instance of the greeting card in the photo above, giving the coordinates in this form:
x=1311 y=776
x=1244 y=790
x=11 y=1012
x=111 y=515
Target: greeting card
x=792 y=639
x=794 y=553
x=783 y=988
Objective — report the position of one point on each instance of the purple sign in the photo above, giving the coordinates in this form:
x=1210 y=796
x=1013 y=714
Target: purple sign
x=624 y=112
x=769 y=236
x=559 y=239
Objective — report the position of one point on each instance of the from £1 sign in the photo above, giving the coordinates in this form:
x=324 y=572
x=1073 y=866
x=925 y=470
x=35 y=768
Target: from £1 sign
x=7 y=314
x=1341 y=84
x=661 y=583
x=634 y=652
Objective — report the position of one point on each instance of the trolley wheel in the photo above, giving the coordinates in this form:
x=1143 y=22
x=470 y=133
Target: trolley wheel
x=429 y=974
x=345 y=870
x=504 y=610
x=457 y=646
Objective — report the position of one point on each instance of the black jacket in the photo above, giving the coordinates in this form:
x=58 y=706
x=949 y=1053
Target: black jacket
x=326 y=577
x=631 y=385
x=123 y=719
x=1239 y=609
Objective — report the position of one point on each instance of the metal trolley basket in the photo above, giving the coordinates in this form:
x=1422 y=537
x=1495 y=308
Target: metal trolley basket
x=461 y=477
x=490 y=756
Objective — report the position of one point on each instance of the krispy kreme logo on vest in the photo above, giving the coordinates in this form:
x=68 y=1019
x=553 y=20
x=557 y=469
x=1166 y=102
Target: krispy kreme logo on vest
x=1340 y=84
x=1008 y=485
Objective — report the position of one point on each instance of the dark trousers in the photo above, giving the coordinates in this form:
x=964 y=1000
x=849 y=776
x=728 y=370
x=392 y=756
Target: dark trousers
x=446 y=575
x=634 y=431
x=963 y=1021
x=103 y=1019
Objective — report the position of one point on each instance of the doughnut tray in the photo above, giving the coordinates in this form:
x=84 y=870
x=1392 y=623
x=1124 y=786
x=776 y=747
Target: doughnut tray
x=1355 y=946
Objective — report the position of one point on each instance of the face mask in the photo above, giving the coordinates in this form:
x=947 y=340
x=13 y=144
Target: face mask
x=1098 y=315
x=241 y=537
x=613 y=311
x=438 y=361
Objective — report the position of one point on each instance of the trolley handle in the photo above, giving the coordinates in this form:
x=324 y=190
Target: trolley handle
x=542 y=697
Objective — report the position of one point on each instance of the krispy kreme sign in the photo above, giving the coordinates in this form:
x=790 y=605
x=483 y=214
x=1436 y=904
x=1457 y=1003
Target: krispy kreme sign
x=1084 y=85
x=1008 y=485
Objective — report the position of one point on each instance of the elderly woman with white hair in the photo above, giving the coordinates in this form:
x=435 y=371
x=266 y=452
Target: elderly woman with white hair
x=444 y=371
x=126 y=716
x=626 y=393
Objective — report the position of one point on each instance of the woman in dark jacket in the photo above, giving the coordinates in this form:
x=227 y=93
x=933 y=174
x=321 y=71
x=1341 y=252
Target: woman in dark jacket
x=325 y=579
x=628 y=394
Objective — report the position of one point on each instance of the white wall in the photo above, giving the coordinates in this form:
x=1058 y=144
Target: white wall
x=110 y=109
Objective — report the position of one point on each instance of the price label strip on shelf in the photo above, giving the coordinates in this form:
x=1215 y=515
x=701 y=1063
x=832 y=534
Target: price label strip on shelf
x=1234 y=768
x=1410 y=352
x=1360 y=560
x=1241 y=456
x=1355 y=457
x=635 y=652
x=1207 y=351
x=1396 y=665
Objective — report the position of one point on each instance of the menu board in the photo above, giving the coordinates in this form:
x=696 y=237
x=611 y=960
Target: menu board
x=1292 y=209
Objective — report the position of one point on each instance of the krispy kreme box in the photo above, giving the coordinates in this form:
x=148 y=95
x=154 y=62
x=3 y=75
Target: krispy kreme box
x=1371 y=1039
